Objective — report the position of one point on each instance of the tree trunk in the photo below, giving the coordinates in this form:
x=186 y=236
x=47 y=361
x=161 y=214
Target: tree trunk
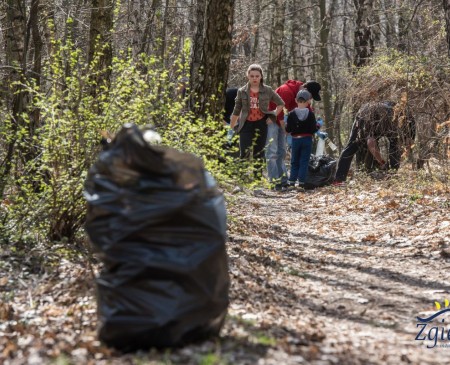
x=147 y=35
x=256 y=26
x=277 y=39
x=164 y=32
x=325 y=67
x=346 y=28
x=37 y=59
x=446 y=4
x=48 y=26
x=387 y=22
x=100 y=43
x=270 y=65
x=299 y=42
x=14 y=35
x=402 y=22
x=211 y=56
x=364 y=37
x=197 y=45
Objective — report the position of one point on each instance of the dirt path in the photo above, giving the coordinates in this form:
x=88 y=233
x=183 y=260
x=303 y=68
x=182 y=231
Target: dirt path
x=333 y=276
x=344 y=272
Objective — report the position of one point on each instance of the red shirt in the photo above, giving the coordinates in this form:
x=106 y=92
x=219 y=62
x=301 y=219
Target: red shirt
x=288 y=91
x=255 y=113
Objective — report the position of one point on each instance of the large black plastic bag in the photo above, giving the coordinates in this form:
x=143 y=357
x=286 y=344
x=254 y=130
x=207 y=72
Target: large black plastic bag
x=321 y=171
x=158 y=223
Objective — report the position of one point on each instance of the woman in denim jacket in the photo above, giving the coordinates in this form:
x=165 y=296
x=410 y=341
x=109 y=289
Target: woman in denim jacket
x=252 y=110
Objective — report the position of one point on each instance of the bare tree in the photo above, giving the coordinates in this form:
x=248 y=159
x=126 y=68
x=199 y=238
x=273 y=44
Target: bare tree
x=325 y=18
x=446 y=4
x=37 y=58
x=16 y=35
x=211 y=55
x=364 y=37
x=100 y=42
x=256 y=26
x=197 y=43
x=387 y=23
x=276 y=45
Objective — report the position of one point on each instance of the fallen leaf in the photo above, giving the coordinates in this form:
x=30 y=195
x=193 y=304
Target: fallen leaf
x=6 y=312
x=370 y=238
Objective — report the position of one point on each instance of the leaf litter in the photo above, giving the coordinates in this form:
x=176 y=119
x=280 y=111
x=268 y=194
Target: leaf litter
x=331 y=276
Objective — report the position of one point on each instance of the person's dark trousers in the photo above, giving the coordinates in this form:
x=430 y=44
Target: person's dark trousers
x=252 y=137
x=394 y=153
x=345 y=160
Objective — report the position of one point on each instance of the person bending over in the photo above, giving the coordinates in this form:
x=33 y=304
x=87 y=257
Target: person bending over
x=372 y=121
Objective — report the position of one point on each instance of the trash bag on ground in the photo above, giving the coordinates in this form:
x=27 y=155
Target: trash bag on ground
x=321 y=171
x=158 y=224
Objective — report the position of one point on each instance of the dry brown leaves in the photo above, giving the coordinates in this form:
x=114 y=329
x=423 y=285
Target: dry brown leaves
x=332 y=276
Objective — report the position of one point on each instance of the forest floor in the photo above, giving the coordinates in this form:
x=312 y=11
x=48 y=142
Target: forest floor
x=337 y=275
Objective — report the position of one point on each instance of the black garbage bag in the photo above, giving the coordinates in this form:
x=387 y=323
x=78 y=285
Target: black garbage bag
x=158 y=223
x=321 y=171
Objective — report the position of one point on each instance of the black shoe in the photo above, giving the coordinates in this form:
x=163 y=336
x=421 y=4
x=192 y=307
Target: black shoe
x=278 y=187
x=290 y=185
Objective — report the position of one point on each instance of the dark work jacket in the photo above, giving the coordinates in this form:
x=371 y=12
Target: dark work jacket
x=379 y=119
x=230 y=97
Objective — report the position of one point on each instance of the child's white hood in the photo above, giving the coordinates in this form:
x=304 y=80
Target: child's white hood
x=302 y=113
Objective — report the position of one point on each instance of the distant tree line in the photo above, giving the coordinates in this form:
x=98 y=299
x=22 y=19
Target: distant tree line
x=74 y=61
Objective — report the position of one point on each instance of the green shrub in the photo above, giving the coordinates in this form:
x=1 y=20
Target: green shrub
x=45 y=193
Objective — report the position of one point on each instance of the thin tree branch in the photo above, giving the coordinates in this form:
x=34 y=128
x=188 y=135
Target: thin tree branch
x=413 y=15
x=301 y=66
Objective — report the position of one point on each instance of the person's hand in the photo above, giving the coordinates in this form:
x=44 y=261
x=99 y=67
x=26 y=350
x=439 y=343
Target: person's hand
x=319 y=122
x=383 y=165
x=322 y=135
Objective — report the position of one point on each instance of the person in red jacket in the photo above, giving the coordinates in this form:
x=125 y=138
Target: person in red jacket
x=276 y=136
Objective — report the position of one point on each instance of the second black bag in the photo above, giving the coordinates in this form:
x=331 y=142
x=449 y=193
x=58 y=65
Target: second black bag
x=321 y=171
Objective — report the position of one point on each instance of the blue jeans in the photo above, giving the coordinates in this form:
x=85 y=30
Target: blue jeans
x=289 y=141
x=276 y=153
x=300 y=154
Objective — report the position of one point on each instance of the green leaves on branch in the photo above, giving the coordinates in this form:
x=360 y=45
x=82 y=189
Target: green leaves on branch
x=44 y=189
